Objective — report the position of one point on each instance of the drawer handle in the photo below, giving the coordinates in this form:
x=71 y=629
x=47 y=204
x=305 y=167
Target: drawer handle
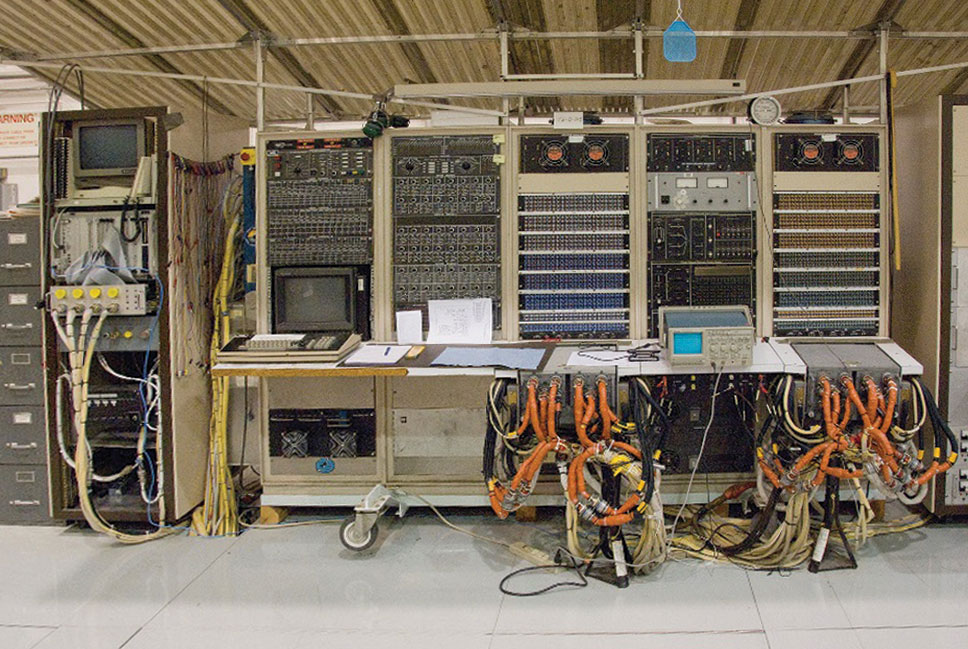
x=16 y=327
x=24 y=503
x=16 y=446
x=14 y=386
x=9 y=266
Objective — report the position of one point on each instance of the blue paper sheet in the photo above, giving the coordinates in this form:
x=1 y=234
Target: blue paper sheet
x=515 y=358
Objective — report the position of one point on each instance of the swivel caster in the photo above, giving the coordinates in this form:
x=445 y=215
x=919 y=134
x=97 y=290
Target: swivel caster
x=352 y=539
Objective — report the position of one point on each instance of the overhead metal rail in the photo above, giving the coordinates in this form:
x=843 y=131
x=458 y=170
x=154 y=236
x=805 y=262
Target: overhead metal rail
x=492 y=35
x=630 y=83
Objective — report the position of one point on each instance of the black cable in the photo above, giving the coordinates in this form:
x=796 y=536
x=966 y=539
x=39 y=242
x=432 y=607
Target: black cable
x=137 y=221
x=575 y=565
x=937 y=420
x=754 y=534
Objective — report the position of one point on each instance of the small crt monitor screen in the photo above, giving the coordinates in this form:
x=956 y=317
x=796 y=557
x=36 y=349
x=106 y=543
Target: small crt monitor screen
x=108 y=146
x=687 y=342
x=311 y=300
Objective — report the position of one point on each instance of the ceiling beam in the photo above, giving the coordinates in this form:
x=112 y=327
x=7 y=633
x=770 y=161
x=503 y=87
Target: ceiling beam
x=734 y=52
x=394 y=22
x=745 y=17
x=862 y=49
x=255 y=25
x=116 y=29
x=956 y=83
x=527 y=56
x=616 y=56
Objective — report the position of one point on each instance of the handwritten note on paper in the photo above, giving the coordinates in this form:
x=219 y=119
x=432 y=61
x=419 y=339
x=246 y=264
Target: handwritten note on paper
x=460 y=321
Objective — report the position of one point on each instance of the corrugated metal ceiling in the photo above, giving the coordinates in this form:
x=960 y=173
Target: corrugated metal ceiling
x=55 y=26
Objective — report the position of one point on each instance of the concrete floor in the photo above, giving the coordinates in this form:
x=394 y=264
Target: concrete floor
x=427 y=586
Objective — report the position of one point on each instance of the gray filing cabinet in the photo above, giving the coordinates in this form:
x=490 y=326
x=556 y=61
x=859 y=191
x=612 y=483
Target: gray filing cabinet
x=23 y=447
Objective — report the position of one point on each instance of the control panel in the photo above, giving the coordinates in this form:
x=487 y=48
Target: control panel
x=122 y=299
x=674 y=152
x=714 y=191
x=577 y=153
x=319 y=201
x=446 y=219
x=702 y=202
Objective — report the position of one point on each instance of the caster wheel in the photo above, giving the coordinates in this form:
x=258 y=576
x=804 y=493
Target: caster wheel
x=349 y=538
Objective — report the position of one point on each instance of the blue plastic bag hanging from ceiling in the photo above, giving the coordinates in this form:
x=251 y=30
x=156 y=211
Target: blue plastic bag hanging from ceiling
x=679 y=41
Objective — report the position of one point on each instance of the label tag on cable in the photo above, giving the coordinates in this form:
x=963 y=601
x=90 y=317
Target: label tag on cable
x=821 y=547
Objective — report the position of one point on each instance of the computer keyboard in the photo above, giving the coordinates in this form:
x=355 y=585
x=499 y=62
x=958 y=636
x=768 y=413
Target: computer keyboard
x=290 y=348
x=295 y=342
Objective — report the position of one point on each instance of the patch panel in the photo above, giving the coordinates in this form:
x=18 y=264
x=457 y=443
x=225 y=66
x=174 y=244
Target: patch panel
x=574 y=241
x=441 y=244
x=831 y=220
x=572 y=261
x=822 y=296
x=573 y=280
x=819 y=259
x=538 y=222
x=825 y=240
x=576 y=330
x=825 y=202
x=573 y=301
x=819 y=321
x=584 y=316
x=319 y=198
x=825 y=278
x=546 y=281
x=446 y=219
x=609 y=203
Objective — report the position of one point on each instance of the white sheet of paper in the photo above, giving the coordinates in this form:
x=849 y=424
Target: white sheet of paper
x=377 y=355
x=460 y=321
x=409 y=327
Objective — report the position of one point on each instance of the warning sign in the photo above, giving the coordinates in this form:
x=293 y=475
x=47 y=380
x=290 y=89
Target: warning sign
x=19 y=130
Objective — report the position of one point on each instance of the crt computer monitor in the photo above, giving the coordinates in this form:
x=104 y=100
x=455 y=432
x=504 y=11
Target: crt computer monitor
x=106 y=149
x=311 y=299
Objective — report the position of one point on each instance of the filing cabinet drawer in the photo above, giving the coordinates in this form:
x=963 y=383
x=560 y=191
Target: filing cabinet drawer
x=20 y=322
x=23 y=494
x=22 y=435
x=19 y=252
x=21 y=376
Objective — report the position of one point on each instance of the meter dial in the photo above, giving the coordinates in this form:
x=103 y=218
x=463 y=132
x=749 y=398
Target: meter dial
x=765 y=111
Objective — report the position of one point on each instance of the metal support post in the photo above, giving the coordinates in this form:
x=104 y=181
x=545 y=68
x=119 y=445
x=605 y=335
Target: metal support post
x=639 y=49
x=882 y=50
x=260 y=91
x=846 y=105
x=310 y=113
x=505 y=54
